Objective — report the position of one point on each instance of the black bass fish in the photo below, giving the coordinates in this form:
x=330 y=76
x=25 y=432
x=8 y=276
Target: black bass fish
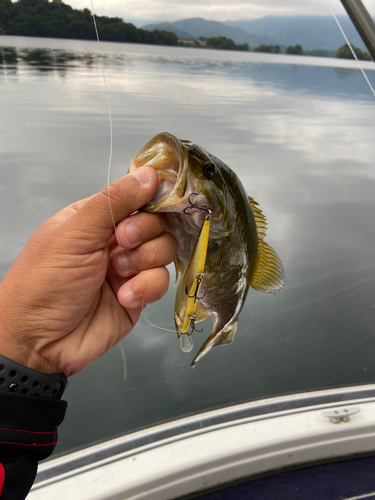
x=215 y=223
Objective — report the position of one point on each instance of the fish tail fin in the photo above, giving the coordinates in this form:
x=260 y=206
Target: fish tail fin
x=268 y=275
x=222 y=337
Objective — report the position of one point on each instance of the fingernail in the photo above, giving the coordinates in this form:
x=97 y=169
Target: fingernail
x=131 y=231
x=142 y=175
x=122 y=263
x=128 y=295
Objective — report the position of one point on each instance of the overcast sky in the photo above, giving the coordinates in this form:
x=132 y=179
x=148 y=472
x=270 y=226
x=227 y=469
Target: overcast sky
x=216 y=10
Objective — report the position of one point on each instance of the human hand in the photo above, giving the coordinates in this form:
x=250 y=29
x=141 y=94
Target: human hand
x=73 y=292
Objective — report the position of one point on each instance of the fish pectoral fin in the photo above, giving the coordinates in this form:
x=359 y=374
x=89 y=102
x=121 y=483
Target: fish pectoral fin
x=224 y=336
x=177 y=266
x=268 y=275
x=200 y=313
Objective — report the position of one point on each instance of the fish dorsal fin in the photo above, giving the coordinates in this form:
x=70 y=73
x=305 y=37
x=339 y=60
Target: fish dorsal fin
x=260 y=219
x=268 y=275
x=224 y=336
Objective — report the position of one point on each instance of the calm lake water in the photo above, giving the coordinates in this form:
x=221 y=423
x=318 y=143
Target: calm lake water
x=298 y=131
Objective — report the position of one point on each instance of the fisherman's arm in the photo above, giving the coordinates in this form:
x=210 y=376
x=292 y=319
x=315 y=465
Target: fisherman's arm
x=72 y=294
x=28 y=434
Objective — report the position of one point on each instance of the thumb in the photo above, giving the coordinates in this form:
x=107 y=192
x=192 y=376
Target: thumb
x=114 y=203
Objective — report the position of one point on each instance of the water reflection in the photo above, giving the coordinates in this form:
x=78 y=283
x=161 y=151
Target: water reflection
x=8 y=56
x=301 y=140
x=279 y=70
x=345 y=72
x=44 y=59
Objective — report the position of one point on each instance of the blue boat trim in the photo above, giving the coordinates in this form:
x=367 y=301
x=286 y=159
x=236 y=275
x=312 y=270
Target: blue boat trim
x=343 y=480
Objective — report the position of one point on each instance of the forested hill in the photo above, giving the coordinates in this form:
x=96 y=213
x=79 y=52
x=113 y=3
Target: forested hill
x=55 y=19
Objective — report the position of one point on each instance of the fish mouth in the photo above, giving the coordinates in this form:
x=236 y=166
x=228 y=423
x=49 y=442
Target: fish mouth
x=164 y=153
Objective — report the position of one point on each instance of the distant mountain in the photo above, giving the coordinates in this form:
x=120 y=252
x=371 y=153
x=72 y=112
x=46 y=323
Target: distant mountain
x=196 y=27
x=312 y=32
x=138 y=22
x=169 y=27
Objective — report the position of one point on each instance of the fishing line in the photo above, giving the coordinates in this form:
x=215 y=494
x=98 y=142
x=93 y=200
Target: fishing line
x=124 y=365
x=110 y=164
x=159 y=327
x=123 y=358
x=109 y=111
x=351 y=48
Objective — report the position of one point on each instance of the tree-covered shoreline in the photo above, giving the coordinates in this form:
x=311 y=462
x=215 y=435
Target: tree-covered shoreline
x=343 y=52
x=41 y=18
x=54 y=19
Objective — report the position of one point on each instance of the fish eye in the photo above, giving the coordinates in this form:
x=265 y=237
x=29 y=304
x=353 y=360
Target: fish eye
x=209 y=169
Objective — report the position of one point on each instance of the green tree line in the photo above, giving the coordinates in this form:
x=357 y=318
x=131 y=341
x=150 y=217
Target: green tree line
x=271 y=49
x=343 y=52
x=223 y=43
x=57 y=20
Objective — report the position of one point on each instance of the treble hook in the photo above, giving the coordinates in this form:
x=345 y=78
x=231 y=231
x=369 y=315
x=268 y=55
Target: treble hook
x=196 y=208
x=192 y=325
x=199 y=278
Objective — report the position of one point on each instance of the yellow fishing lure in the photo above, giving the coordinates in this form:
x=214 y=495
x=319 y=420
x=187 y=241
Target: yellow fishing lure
x=189 y=286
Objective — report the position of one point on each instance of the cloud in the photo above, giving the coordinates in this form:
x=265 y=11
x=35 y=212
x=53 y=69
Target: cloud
x=217 y=10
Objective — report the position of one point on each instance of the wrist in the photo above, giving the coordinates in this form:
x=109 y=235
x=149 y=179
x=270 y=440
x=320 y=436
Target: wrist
x=20 y=379
x=23 y=356
x=16 y=344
